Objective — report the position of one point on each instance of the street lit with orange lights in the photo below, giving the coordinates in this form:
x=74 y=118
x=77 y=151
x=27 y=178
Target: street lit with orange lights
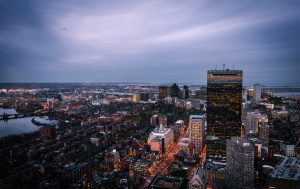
x=199 y=164
x=164 y=163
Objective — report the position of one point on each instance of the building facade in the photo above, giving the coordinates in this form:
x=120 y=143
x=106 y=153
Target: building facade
x=196 y=131
x=166 y=134
x=224 y=108
x=254 y=121
x=256 y=92
x=239 y=163
x=163 y=92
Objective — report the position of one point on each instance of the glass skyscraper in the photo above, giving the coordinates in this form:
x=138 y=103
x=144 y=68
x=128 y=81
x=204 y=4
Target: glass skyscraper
x=224 y=103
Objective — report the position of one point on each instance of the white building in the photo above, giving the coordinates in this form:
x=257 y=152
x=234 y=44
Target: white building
x=166 y=133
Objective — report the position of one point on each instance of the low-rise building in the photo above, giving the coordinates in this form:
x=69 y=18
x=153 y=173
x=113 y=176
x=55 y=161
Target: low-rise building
x=286 y=174
x=167 y=182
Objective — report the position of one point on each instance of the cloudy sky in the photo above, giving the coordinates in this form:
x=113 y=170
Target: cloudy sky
x=149 y=41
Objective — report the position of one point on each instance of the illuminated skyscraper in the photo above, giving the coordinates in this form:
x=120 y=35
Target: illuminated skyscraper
x=163 y=92
x=224 y=102
x=196 y=127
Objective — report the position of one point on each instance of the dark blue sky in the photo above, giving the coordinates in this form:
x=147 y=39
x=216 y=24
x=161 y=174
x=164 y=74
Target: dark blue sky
x=149 y=41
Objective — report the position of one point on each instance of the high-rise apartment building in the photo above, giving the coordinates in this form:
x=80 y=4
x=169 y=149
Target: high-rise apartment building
x=224 y=105
x=239 y=163
x=196 y=131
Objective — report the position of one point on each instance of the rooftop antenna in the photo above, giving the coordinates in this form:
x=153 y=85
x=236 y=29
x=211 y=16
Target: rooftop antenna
x=223 y=67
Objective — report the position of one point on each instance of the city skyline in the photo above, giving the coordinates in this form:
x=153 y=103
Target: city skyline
x=151 y=42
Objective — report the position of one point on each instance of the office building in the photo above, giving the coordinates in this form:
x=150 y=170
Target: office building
x=174 y=90
x=224 y=104
x=163 y=92
x=255 y=121
x=196 y=131
x=165 y=133
x=239 y=163
x=256 y=92
x=250 y=93
x=144 y=96
x=178 y=128
x=263 y=133
x=136 y=97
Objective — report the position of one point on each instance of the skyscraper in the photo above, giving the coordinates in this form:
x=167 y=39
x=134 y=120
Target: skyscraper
x=239 y=163
x=163 y=91
x=224 y=103
x=257 y=92
x=196 y=127
x=254 y=121
x=174 y=90
x=136 y=97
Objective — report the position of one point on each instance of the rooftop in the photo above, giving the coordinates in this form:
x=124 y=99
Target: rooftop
x=214 y=165
x=287 y=168
x=196 y=116
x=167 y=182
x=224 y=72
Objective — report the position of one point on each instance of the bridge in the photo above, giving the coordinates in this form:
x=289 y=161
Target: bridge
x=15 y=116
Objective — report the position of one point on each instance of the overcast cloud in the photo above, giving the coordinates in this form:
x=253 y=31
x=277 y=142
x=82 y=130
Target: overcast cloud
x=148 y=41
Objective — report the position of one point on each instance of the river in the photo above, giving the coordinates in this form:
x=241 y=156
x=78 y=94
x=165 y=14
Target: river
x=21 y=125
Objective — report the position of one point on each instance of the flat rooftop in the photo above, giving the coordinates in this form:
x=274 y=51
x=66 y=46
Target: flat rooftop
x=225 y=72
x=167 y=182
x=287 y=168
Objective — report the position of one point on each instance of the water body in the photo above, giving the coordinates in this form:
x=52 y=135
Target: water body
x=21 y=125
x=286 y=94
